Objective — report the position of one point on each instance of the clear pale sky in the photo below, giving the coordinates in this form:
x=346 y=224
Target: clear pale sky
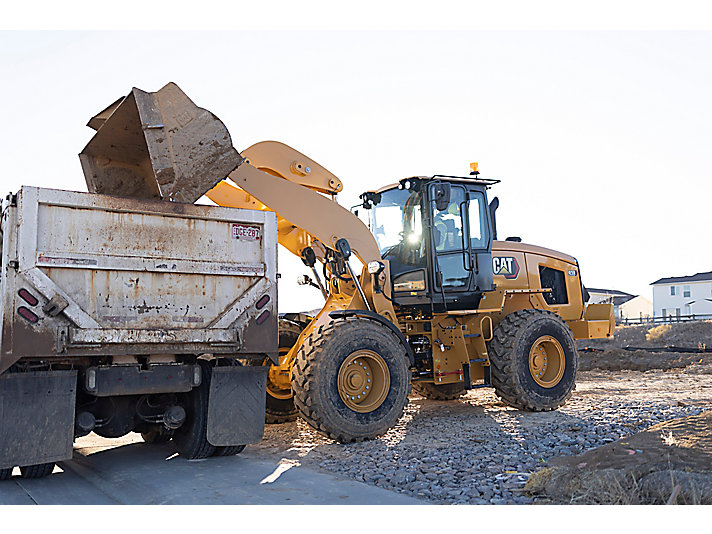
x=601 y=139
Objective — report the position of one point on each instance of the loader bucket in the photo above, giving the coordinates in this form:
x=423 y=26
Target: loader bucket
x=157 y=145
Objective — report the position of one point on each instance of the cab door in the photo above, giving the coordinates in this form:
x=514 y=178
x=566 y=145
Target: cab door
x=460 y=249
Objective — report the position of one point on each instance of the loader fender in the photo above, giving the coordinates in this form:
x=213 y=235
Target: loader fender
x=340 y=314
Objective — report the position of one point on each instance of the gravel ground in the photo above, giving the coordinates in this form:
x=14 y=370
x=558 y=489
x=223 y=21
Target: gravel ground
x=479 y=451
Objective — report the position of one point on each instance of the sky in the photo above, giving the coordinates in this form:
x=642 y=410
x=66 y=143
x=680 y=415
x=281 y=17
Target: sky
x=601 y=139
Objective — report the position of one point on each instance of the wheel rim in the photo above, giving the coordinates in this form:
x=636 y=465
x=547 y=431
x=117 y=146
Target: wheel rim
x=547 y=361
x=273 y=389
x=363 y=381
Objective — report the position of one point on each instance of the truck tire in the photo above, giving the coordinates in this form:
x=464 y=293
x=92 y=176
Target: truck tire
x=5 y=474
x=533 y=360
x=351 y=379
x=229 y=450
x=37 y=471
x=443 y=392
x=279 y=403
x=156 y=436
x=191 y=439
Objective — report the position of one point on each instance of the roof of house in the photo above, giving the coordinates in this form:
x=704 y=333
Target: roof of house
x=609 y=292
x=699 y=277
x=617 y=301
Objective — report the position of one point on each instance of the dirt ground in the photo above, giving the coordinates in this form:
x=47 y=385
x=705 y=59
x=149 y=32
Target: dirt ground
x=670 y=462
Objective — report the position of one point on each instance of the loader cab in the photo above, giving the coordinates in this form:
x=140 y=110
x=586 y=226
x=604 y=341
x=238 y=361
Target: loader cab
x=437 y=234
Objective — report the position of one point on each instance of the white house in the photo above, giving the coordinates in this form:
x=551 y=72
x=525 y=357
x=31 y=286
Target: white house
x=683 y=295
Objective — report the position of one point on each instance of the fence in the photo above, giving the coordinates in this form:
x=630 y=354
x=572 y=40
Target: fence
x=663 y=319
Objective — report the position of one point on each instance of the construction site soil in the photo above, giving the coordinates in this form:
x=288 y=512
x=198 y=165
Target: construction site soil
x=636 y=431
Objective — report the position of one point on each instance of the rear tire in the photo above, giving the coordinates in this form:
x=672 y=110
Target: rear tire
x=5 y=474
x=37 y=471
x=156 y=436
x=533 y=360
x=191 y=438
x=230 y=450
x=279 y=403
x=444 y=392
x=335 y=361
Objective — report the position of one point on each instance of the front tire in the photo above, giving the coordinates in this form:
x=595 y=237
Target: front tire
x=533 y=360
x=351 y=379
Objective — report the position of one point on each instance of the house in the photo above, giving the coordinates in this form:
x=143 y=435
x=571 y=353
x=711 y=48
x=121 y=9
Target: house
x=609 y=296
x=683 y=295
x=636 y=308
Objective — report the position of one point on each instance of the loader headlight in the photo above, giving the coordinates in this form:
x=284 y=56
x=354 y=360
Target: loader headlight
x=375 y=267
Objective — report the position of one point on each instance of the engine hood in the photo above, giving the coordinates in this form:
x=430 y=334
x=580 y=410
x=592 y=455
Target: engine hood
x=499 y=247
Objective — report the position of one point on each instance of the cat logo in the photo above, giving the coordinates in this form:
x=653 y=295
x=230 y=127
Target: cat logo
x=505 y=266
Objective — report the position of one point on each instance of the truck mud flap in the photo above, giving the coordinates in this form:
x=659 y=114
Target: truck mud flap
x=236 y=406
x=36 y=417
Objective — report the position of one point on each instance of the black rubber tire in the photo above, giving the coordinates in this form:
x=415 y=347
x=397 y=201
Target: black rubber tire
x=282 y=410
x=315 y=373
x=509 y=359
x=37 y=471
x=443 y=392
x=229 y=450
x=156 y=436
x=191 y=439
x=5 y=474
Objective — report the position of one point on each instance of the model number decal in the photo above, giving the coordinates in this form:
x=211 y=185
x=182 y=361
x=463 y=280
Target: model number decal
x=506 y=266
x=249 y=233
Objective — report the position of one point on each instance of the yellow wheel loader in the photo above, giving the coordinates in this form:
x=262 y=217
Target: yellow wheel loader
x=425 y=295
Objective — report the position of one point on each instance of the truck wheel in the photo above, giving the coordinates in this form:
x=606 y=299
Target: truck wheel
x=156 y=436
x=534 y=360
x=191 y=438
x=5 y=474
x=37 y=471
x=279 y=403
x=351 y=379
x=442 y=392
x=229 y=450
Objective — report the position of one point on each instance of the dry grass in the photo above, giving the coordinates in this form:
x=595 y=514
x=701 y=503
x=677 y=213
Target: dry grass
x=561 y=485
x=658 y=333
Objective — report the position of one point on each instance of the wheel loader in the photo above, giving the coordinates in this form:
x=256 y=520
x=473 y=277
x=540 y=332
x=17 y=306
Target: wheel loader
x=424 y=296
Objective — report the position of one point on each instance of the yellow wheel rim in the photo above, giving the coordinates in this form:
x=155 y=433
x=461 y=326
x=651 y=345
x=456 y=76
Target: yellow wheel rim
x=547 y=361
x=363 y=381
x=274 y=390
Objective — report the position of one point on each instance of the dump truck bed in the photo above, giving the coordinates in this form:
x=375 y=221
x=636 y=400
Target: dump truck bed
x=88 y=275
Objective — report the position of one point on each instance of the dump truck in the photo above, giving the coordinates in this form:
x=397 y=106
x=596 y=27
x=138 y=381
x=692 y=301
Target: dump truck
x=424 y=296
x=132 y=315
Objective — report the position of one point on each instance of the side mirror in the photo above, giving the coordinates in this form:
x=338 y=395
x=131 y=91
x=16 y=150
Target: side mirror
x=493 y=205
x=441 y=196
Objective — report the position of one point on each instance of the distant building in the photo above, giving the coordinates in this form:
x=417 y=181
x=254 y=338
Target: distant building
x=636 y=308
x=683 y=295
x=609 y=296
